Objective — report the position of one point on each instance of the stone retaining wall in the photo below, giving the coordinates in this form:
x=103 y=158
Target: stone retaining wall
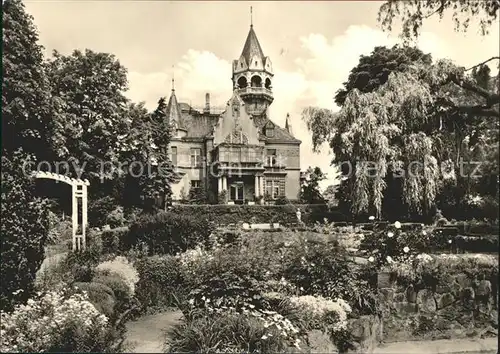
x=461 y=308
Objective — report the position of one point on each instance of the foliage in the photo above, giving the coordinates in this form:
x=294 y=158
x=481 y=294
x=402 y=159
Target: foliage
x=225 y=333
x=310 y=193
x=282 y=200
x=373 y=70
x=89 y=90
x=412 y=13
x=100 y=295
x=160 y=282
x=121 y=267
x=120 y=288
x=112 y=240
x=60 y=231
x=198 y=195
x=425 y=271
x=319 y=268
x=116 y=218
x=56 y=322
x=168 y=233
x=24 y=232
x=401 y=145
x=27 y=116
x=222 y=197
x=99 y=209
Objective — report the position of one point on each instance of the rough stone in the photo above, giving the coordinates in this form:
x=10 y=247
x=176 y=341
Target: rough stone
x=441 y=289
x=425 y=301
x=445 y=300
x=319 y=342
x=400 y=297
x=384 y=280
x=463 y=280
x=405 y=307
x=386 y=295
x=411 y=294
x=484 y=288
x=468 y=294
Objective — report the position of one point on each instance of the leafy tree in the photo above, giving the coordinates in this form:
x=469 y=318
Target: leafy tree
x=89 y=89
x=412 y=13
x=145 y=145
x=373 y=70
x=412 y=119
x=310 y=192
x=27 y=119
x=24 y=232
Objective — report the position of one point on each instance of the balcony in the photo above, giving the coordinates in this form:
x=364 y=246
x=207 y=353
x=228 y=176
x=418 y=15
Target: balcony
x=254 y=90
x=231 y=154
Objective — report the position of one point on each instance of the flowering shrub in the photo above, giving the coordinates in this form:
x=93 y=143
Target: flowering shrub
x=123 y=268
x=391 y=244
x=56 y=322
x=323 y=312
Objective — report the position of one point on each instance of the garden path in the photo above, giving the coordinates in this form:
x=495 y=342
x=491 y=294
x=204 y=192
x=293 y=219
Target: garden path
x=147 y=334
x=442 y=346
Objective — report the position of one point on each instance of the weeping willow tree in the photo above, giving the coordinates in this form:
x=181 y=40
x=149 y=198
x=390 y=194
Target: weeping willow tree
x=398 y=136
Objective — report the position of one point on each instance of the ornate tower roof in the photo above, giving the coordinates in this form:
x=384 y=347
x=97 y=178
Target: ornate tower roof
x=252 y=76
x=252 y=47
x=173 y=108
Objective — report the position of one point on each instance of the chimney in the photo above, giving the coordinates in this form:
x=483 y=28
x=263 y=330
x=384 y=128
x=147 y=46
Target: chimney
x=207 y=103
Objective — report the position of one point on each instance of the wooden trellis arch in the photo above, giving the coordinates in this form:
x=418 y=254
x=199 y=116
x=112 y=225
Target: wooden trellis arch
x=79 y=191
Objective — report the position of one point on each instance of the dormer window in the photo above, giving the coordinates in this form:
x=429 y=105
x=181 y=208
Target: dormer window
x=256 y=63
x=269 y=132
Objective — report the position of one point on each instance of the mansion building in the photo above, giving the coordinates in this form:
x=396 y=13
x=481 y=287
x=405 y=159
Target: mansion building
x=239 y=151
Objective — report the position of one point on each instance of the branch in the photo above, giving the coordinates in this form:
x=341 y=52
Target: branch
x=490 y=97
x=484 y=62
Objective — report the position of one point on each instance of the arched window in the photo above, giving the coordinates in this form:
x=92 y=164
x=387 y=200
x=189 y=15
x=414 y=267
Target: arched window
x=242 y=82
x=268 y=84
x=256 y=81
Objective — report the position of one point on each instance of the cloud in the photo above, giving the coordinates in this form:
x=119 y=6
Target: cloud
x=320 y=71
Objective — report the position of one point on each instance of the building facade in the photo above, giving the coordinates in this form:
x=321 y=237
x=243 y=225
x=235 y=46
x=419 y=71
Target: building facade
x=239 y=155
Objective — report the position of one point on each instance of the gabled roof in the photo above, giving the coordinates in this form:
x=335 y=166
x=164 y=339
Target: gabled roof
x=252 y=47
x=280 y=134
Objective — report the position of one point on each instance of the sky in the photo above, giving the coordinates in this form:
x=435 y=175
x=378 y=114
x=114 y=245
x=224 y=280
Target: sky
x=312 y=45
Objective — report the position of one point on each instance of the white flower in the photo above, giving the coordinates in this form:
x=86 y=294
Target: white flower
x=424 y=233
x=389 y=259
x=406 y=249
x=371 y=218
x=397 y=225
x=263 y=337
x=371 y=259
x=390 y=234
x=449 y=241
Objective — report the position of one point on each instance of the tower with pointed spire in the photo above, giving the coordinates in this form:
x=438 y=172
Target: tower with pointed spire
x=252 y=76
x=237 y=148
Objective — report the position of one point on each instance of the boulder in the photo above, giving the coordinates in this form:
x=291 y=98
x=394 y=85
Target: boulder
x=425 y=301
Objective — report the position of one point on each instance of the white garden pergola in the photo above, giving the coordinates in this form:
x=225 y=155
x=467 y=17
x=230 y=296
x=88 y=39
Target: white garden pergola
x=79 y=191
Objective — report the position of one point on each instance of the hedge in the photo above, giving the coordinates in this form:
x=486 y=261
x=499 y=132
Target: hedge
x=282 y=214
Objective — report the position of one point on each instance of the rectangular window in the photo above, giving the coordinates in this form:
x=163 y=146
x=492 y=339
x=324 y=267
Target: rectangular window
x=173 y=155
x=270 y=132
x=271 y=157
x=275 y=188
x=195 y=157
x=195 y=184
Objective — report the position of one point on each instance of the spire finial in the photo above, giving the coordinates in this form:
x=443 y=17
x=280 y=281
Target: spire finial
x=251 y=17
x=173 y=78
